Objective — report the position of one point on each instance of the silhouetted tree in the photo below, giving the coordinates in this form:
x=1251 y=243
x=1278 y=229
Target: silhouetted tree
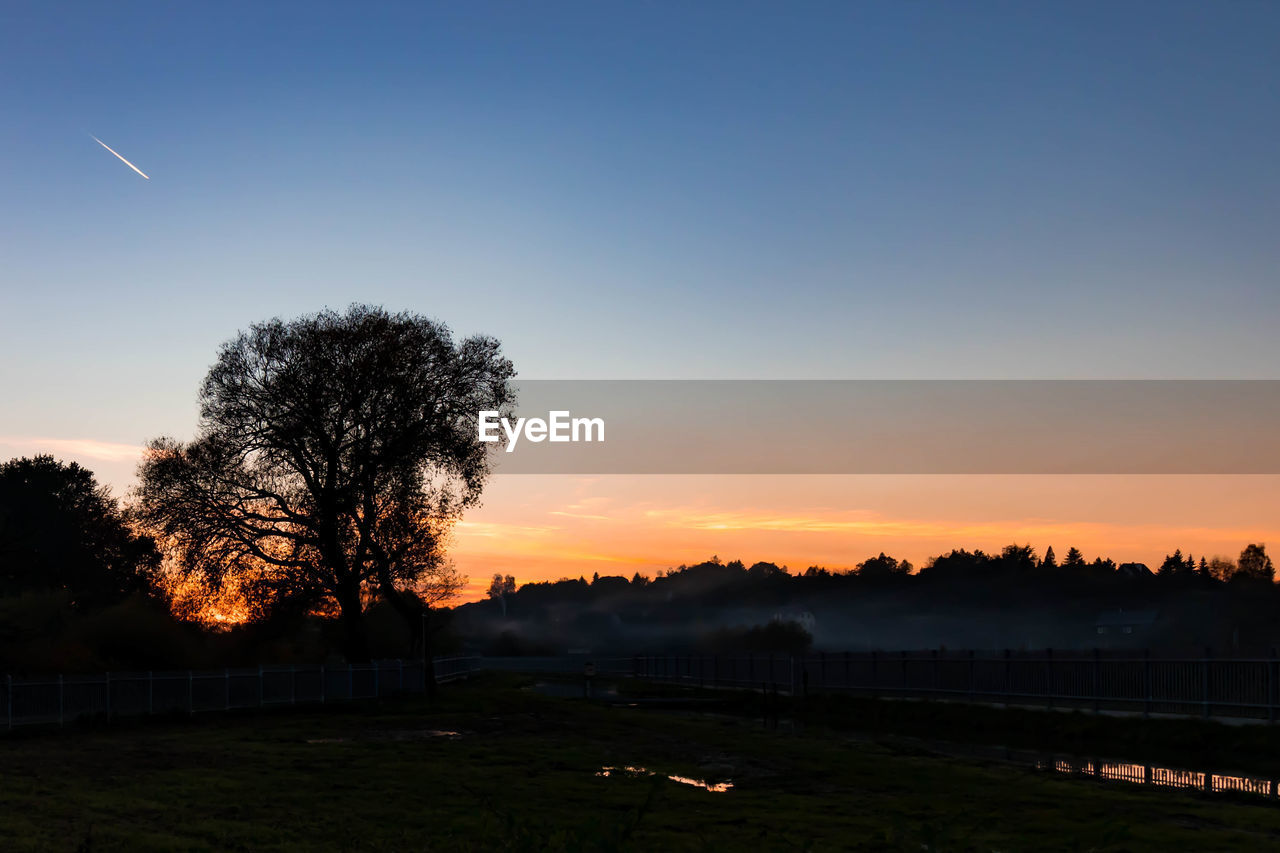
x=502 y=585
x=1254 y=564
x=333 y=452
x=1016 y=559
x=1102 y=567
x=1074 y=559
x=881 y=567
x=762 y=571
x=60 y=530
x=959 y=564
x=1173 y=564
x=1221 y=568
x=1050 y=560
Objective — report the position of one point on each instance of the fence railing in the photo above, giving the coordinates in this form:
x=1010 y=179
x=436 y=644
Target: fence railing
x=563 y=665
x=1204 y=686
x=61 y=699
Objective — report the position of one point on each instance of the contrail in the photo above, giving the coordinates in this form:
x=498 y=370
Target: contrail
x=122 y=160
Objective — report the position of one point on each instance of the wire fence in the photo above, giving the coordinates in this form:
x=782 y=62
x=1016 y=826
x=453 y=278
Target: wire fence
x=62 y=699
x=1129 y=681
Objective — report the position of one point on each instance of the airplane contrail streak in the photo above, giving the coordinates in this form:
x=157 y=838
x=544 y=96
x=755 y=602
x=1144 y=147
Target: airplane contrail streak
x=122 y=160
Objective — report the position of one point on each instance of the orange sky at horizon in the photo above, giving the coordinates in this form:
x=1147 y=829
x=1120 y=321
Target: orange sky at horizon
x=547 y=527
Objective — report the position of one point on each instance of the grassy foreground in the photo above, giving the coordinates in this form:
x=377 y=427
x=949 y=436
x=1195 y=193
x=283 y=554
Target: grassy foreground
x=521 y=775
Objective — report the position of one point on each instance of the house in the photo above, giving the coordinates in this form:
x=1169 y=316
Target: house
x=1134 y=570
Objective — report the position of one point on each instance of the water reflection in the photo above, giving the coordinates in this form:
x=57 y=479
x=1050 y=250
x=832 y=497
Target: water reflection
x=714 y=787
x=1166 y=777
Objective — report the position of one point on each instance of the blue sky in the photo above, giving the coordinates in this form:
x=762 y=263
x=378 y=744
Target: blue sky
x=660 y=190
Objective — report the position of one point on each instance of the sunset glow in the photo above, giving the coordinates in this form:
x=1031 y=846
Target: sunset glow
x=545 y=528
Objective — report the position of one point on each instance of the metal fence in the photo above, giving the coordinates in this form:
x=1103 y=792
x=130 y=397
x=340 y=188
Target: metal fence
x=1205 y=686
x=62 y=699
x=563 y=665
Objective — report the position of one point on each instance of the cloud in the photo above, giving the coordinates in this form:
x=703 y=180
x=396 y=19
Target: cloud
x=82 y=448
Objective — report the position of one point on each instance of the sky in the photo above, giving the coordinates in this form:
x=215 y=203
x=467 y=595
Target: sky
x=654 y=190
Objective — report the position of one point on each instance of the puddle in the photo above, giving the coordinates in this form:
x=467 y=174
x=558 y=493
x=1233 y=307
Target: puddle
x=1164 y=777
x=1114 y=771
x=714 y=787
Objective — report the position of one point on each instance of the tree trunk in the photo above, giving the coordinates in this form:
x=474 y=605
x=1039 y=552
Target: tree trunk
x=356 y=629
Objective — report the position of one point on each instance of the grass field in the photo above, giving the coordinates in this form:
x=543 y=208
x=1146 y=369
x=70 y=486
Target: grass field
x=521 y=774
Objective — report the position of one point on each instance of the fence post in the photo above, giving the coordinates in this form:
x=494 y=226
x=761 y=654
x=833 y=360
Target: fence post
x=293 y=684
x=1208 y=652
x=1271 y=686
x=8 y=694
x=226 y=689
x=936 y=674
x=261 y=687
x=1146 y=677
x=351 y=682
x=973 y=686
x=322 y=684
x=1048 y=677
x=1097 y=681
x=377 y=684
x=151 y=692
x=1008 y=676
x=847 y=683
x=399 y=674
x=106 y=680
x=191 y=696
x=61 y=702
x=875 y=671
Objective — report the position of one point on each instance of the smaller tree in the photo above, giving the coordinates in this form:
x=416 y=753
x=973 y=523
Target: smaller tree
x=881 y=567
x=502 y=585
x=1050 y=560
x=1221 y=568
x=1172 y=565
x=1016 y=559
x=1074 y=559
x=60 y=530
x=1254 y=564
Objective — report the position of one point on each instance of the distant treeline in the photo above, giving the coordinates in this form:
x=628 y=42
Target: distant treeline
x=1013 y=562
x=1014 y=598
x=81 y=588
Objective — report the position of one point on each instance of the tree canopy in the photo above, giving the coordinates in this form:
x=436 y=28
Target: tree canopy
x=60 y=530
x=333 y=453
